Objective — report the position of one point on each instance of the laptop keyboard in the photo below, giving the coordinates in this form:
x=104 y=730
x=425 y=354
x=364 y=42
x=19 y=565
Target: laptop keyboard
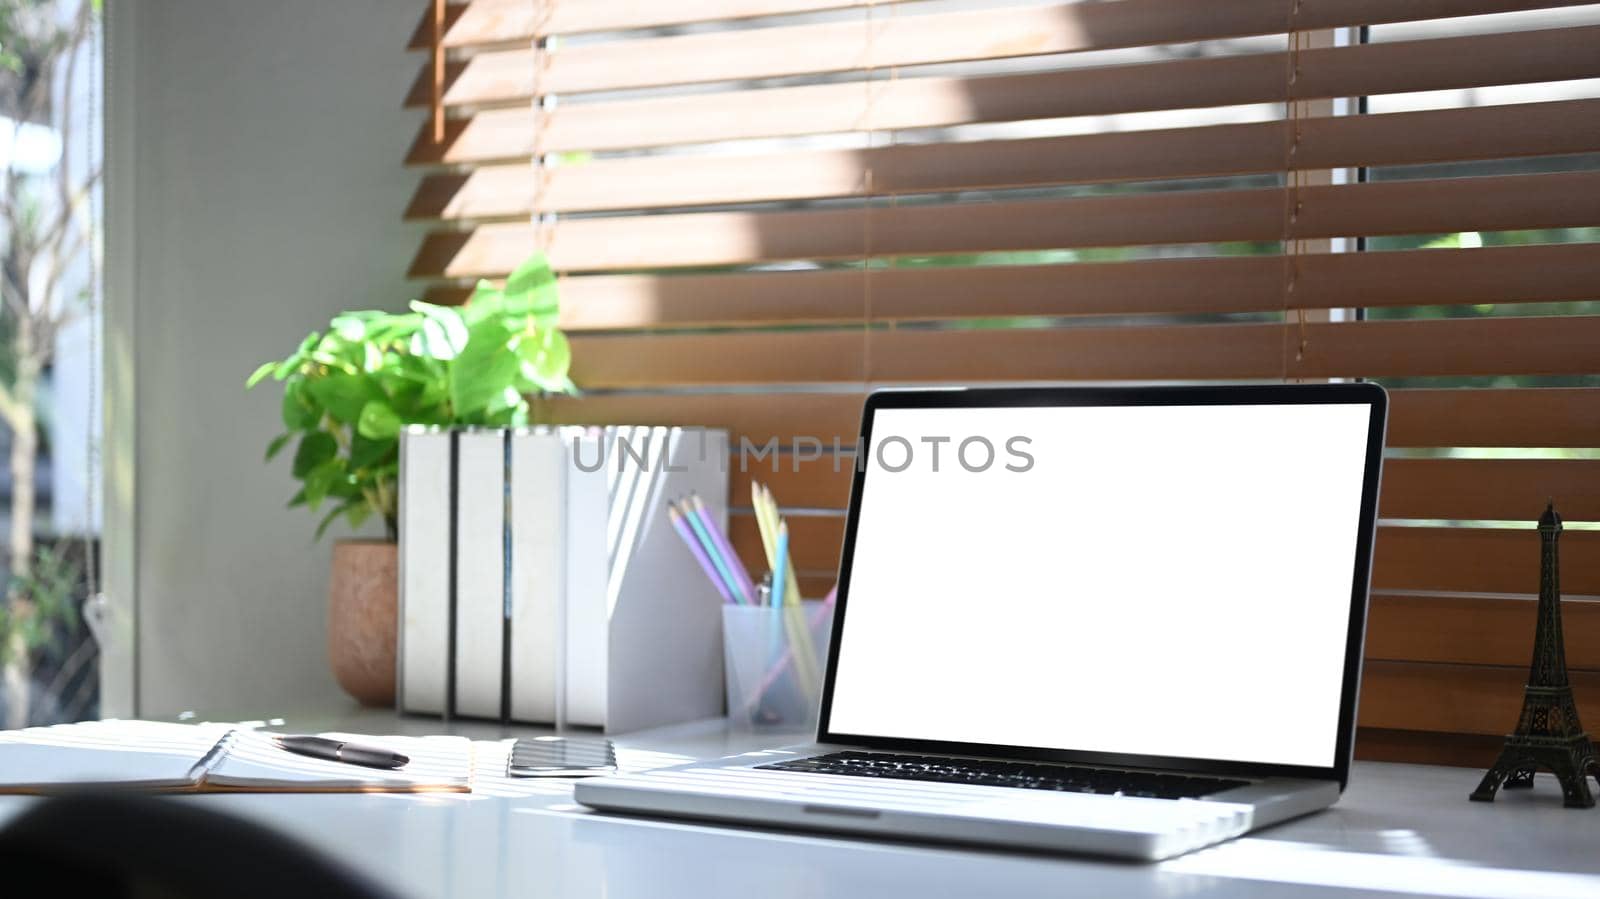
x=1023 y=775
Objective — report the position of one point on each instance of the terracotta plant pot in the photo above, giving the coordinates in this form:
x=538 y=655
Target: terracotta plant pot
x=362 y=598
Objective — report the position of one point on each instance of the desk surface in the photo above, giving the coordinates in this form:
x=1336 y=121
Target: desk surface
x=1400 y=830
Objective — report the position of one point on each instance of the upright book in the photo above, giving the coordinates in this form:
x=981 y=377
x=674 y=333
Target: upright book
x=426 y=527
x=538 y=573
x=480 y=573
x=583 y=619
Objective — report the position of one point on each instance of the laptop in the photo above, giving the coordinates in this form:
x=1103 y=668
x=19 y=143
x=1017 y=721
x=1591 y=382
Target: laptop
x=1116 y=621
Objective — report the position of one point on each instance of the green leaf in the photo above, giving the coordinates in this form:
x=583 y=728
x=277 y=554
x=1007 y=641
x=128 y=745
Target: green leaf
x=351 y=327
x=316 y=450
x=288 y=366
x=333 y=515
x=343 y=485
x=545 y=357
x=487 y=301
x=343 y=395
x=366 y=453
x=299 y=412
x=443 y=334
x=377 y=421
x=482 y=372
x=262 y=370
x=277 y=445
x=391 y=328
x=321 y=480
x=484 y=292
x=357 y=514
x=299 y=498
x=531 y=290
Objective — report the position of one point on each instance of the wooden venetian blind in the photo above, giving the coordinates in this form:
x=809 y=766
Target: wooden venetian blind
x=762 y=208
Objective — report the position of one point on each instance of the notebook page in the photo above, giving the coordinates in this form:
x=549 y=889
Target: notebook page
x=149 y=755
x=253 y=761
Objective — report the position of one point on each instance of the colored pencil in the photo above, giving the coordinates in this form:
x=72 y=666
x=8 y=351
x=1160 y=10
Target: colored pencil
x=719 y=540
x=779 y=565
x=682 y=527
x=758 y=504
x=789 y=591
x=710 y=547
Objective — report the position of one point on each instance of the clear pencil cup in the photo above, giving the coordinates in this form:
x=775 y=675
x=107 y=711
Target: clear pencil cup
x=774 y=659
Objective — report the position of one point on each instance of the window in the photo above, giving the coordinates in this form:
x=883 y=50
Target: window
x=49 y=328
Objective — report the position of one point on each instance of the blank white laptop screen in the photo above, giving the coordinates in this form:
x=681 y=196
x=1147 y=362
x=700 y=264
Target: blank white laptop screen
x=1156 y=580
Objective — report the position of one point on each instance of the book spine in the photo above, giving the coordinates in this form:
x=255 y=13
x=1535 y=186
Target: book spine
x=480 y=578
x=423 y=673
x=538 y=572
x=586 y=613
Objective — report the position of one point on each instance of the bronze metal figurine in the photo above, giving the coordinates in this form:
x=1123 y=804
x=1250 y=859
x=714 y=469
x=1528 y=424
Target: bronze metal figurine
x=1548 y=735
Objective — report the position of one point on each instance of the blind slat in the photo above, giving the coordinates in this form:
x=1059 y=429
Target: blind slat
x=1429 y=560
x=732 y=238
x=485 y=78
x=1458 y=699
x=1448 y=135
x=887 y=40
x=1476 y=630
x=1555 y=417
x=506 y=21
x=1512 y=274
x=1445 y=63
x=1452 y=489
x=1546 y=345
x=1505 y=274
x=1487 y=560
x=1492 y=489
x=1548 y=416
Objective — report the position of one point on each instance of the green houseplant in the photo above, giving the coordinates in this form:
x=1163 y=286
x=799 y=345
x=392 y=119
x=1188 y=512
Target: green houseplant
x=350 y=389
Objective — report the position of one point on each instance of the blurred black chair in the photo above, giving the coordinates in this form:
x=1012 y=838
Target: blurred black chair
x=138 y=846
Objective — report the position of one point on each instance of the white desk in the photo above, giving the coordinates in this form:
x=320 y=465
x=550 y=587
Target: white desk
x=1401 y=830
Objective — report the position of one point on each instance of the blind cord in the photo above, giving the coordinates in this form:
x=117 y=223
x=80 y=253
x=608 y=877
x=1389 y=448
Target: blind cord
x=544 y=224
x=868 y=187
x=1293 y=246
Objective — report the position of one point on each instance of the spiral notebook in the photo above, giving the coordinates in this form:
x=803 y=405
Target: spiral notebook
x=154 y=756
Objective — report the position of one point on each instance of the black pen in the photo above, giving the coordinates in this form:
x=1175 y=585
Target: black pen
x=338 y=751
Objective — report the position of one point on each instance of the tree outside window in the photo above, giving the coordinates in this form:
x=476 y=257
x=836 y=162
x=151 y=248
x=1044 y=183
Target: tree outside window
x=49 y=128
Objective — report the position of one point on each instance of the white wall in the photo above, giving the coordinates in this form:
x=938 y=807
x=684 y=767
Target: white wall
x=263 y=143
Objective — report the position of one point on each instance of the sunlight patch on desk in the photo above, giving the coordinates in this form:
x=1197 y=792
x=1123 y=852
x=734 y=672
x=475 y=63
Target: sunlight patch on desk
x=1311 y=864
x=1405 y=841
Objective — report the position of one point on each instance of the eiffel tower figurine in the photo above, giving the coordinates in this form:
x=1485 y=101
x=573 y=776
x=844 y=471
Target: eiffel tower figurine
x=1548 y=734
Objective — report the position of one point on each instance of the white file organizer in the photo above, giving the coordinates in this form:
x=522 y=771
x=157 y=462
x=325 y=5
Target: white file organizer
x=608 y=621
x=648 y=651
